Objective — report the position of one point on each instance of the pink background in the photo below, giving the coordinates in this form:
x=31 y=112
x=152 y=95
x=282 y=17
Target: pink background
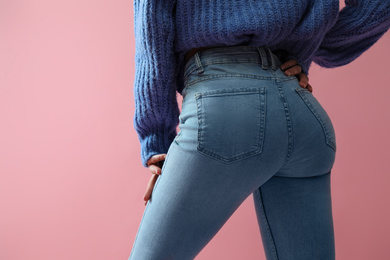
x=72 y=183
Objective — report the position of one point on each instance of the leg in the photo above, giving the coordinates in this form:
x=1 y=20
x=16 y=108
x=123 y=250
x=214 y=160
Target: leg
x=295 y=218
x=191 y=201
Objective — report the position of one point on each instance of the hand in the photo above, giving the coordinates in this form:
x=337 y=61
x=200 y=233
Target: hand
x=291 y=67
x=155 y=164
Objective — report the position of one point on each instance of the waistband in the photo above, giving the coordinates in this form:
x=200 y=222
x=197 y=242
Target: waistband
x=235 y=54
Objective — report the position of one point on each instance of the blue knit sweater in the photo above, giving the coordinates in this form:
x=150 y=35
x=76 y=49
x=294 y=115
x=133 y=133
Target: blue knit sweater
x=309 y=30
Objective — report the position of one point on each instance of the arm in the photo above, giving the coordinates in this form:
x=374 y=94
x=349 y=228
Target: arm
x=360 y=24
x=156 y=108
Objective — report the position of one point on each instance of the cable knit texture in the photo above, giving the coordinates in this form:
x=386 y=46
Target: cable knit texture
x=308 y=30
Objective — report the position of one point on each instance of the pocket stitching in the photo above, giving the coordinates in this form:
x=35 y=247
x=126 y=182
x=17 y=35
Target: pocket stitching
x=328 y=140
x=261 y=92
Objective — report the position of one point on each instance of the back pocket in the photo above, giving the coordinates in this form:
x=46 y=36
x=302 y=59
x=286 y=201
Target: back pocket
x=231 y=123
x=321 y=115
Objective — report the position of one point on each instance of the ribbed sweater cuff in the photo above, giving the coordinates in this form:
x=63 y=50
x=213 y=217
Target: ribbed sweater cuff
x=305 y=66
x=155 y=143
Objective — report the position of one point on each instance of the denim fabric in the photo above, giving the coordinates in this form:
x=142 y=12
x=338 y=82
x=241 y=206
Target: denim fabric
x=245 y=128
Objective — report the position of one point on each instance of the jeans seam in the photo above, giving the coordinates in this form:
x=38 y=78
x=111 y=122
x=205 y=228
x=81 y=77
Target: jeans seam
x=288 y=122
x=216 y=76
x=267 y=227
x=317 y=115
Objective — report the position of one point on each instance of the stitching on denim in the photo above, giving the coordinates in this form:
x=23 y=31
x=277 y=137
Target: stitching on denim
x=272 y=59
x=240 y=75
x=222 y=159
x=260 y=140
x=263 y=55
x=325 y=129
x=274 y=75
x=199 y=105
x=288 y=122
x=249 y=76
x=263 y=111
x=267 y=227
x=198 y=63
x=273 y=72
x=221 y=61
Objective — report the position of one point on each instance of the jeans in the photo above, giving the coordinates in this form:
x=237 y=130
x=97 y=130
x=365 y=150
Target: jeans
x=245 y=128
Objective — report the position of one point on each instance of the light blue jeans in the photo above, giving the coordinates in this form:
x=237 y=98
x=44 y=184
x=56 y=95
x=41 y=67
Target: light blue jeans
x=245 y=128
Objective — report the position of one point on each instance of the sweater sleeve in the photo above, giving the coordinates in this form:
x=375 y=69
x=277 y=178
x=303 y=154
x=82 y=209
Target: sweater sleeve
x=359 y=25
x=156 y=108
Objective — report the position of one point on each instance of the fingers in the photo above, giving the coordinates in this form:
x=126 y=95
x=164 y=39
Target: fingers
x=309 y=87
x=150 y=187
x=288 y=64
x=155 y=163
x=291 y=67
x=155 y=169
x=303 y=80
x=156 y=158
x=293 y=71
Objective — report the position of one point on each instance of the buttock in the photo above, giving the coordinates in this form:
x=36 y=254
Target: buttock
x=238 y=113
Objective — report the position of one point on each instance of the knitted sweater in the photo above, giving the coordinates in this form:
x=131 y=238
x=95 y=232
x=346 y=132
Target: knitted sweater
x=309 y=30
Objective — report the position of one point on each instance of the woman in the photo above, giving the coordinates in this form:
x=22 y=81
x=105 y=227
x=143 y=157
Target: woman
x=249 y=122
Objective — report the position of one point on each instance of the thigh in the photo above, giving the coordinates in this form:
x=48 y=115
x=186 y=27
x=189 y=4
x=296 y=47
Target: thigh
x=295 y=218
x=192 y=199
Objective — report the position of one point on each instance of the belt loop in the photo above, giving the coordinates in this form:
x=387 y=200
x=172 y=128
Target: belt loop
x=198 y=63
x=272 y=59
x=263 y=55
